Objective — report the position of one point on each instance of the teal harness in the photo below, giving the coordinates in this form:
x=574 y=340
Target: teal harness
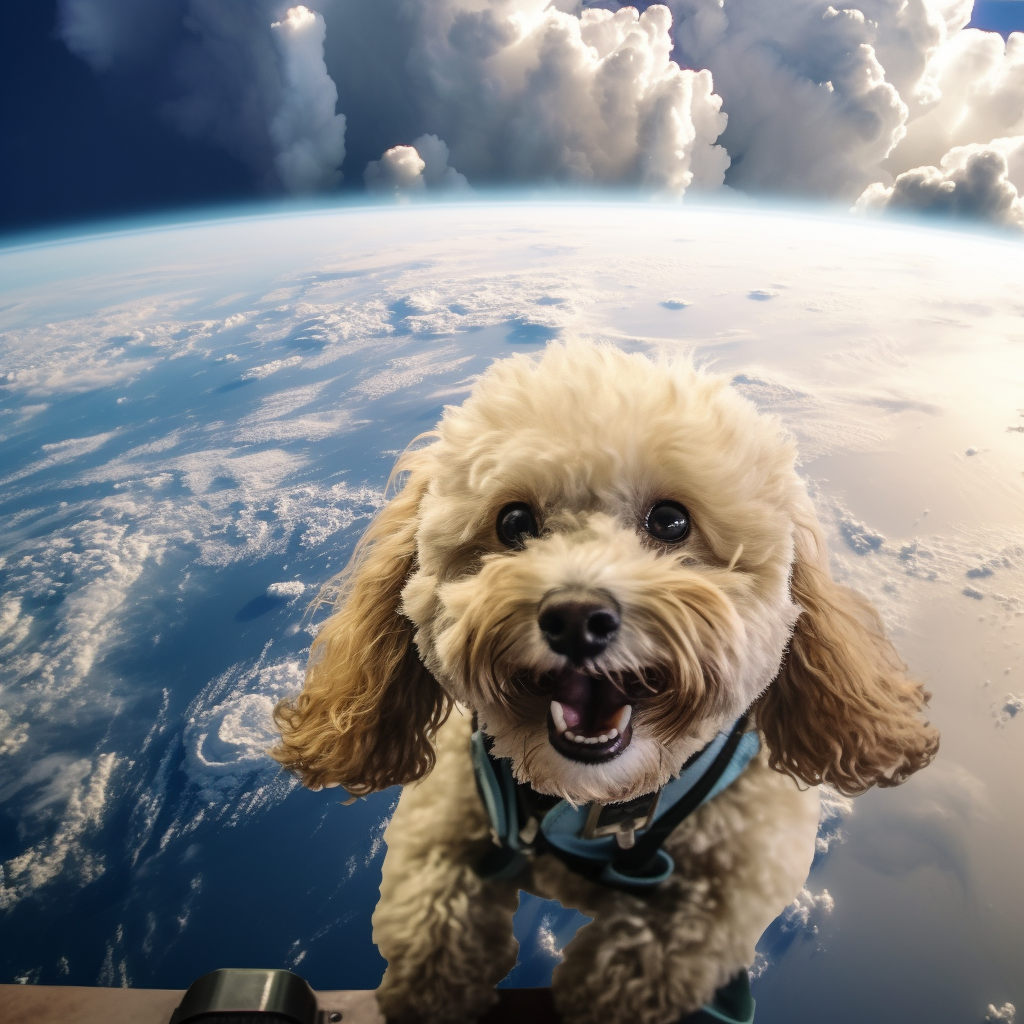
x=600 y=840
x=619 y=845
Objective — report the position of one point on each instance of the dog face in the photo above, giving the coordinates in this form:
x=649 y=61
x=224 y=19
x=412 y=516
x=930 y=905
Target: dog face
x=606 y=559
x=603 y=553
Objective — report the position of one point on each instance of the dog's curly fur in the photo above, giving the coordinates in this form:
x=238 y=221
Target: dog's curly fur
x=438 y=616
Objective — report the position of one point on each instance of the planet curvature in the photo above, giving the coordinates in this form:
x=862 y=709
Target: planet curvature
x=198 y=420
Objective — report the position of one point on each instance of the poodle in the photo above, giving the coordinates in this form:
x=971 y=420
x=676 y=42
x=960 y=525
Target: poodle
x=602 y=583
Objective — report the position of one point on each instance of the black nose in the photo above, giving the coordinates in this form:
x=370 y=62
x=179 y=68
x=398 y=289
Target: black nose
x=579 y=627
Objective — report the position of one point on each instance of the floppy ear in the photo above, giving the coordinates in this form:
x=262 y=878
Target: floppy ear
x=369 y=709
x=841 y=709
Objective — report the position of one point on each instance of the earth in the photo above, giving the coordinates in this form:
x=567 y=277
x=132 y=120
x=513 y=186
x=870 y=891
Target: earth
x=198 y=421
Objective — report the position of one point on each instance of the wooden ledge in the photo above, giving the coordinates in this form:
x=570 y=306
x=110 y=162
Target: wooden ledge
x=71 y=1004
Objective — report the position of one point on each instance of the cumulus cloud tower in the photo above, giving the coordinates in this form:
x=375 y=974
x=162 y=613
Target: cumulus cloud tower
x=308 y=135
x=522 y=91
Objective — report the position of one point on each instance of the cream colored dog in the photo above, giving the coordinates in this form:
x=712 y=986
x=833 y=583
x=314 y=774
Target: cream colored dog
x=607 y=560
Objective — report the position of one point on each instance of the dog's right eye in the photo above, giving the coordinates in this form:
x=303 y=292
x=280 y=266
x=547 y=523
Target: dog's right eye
x=515 y=524
x=668 y=521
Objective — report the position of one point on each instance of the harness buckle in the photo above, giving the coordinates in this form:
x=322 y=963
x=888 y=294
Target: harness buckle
x=528 y=833
x=622 y=820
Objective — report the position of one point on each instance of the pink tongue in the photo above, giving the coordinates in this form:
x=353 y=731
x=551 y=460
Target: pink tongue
x=587 y=702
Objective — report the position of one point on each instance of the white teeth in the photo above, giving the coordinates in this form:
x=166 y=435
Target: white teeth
x=621 y=721
x=557 y=716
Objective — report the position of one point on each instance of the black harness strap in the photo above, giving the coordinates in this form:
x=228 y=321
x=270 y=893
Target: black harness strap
x=634 y=860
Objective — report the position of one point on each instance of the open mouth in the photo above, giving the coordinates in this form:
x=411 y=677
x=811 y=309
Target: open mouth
x=589 y=718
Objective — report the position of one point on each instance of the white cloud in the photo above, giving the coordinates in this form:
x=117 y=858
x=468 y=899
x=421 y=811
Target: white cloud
x=1011 y=707
x=60 y=452
x=821 y=426
x=810 y=109
x=44 y=357
x=257 y=85
x=289 y=590
x=229 y=729
x=90 y=566
x=972 y=92
x=400 y=169
x=807 y=911
x=835 y=809
x=284 y=403
x=377 y=835
x=759 y=968
x=522 y=91
x=79 y=788
x=259 y=372
x=308 y=135
x=1006 y=1014
x=547 y=940
x=275 y=419
x=963 y=151
x=971 y=182
x=884 y=569
x=408 y=371
x=314 y=427
x=414 y=168
x=115 y=975
x=14 y=627
x=93 y=556
x=831 y=101
x=12 y=734
x=436 y=172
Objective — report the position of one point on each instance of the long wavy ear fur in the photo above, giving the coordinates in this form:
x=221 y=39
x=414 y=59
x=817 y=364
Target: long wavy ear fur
x=369 y=709
x=841 y=709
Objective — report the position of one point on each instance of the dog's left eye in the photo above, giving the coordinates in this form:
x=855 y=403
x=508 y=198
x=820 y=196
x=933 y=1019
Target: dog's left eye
x=515 y=524
x=668 y=521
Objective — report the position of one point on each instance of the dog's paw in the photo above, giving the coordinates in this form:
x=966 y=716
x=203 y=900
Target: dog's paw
x=628 y=974
x=433 y=1001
